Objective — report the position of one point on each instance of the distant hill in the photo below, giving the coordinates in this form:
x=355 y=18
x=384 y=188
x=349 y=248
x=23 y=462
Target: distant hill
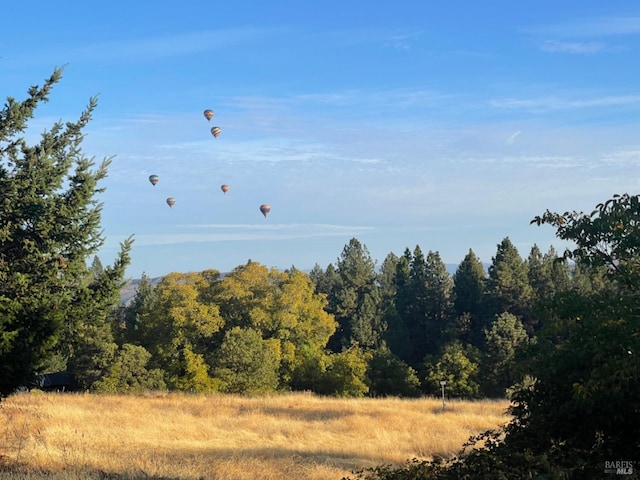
x=131 y=288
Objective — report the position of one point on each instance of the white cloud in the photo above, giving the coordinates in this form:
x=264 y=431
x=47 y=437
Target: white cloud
x=623 y=157
x=248 y=232
x=591 y=27
x=171 y=45
x=545 y=104
x=581 y=48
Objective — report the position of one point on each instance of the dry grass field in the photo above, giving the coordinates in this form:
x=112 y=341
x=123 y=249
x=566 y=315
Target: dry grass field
x=177 y=436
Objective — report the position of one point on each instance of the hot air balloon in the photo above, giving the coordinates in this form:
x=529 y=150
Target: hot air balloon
x=208 y=114
x=215 y=131
x=265 y=209
x=171 y=201
x=154 y=179
x=224 y=188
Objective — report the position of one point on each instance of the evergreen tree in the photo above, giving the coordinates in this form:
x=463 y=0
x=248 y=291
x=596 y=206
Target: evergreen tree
x=245 y=363
x=505 y=336
x=397 y=335
x=355 y=300
x=559 y=271
x=128 y=373
x=582 y=409
x=324 y=280
x=548 y=276
x=539 y=275
x=387 y=286
x=87 y=338
x=49 y=227
x=415 y=306
x=429 y=313
x=469 y=287
x=588 y=279
x=386 y=280
x=133 y=317
x=96 y=268
x=439 y=295
x=389 y=375
x=508 y=284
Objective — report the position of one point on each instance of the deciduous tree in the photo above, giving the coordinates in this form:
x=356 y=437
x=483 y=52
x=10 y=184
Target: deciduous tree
x=282 y=306
x=181 y=331
x=456 y=365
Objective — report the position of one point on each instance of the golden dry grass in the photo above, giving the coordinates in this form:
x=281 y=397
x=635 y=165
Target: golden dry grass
x=229 y=437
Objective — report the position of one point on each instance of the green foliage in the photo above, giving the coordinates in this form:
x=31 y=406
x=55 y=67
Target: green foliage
x=87 y=340
x=345 y=374
x=189 y=321
x=341 y=374
x=355 y=301
x=129 y=374
x=505 y=336
x=282 y=306
x=133 y=317
x=324 y=280
x=388 y=375
x=469 y=288
x=49 y=227
x=456 y=365
x=581 y=405
x=246 y=363
x=608 y=236
x=587 y=393
x=178 y=329
x=547 y=275
x=424 y=301
x=310 y=370
x=397 y=336
x=189 y=372
x=508 y=284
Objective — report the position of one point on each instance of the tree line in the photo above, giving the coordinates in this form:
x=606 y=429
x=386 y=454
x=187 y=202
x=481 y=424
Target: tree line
x=347 y=329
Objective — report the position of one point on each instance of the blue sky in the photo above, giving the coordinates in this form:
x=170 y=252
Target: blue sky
x=447 y=125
